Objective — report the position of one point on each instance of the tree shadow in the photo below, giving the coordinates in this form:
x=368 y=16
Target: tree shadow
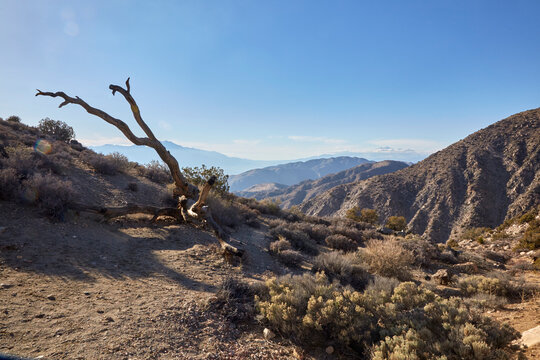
x=82 y=248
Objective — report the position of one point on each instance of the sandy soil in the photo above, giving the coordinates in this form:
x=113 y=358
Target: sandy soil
x=88 y=290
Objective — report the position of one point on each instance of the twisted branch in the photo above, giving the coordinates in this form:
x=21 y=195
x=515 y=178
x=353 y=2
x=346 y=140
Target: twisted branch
x=186 y=191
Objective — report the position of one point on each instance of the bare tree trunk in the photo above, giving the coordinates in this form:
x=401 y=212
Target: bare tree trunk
x=188 y=208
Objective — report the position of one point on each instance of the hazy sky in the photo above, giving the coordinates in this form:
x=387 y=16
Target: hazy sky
x=275 y=79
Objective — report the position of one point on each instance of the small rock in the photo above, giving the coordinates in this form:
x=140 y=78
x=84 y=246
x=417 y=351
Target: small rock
x=2 y=229
x=51 y=297
x=87 y=293
x=507 y=247
x=443 y=276
x=109 y=319
x=330 y=350
x=268 y=334
x=6 y=286
x=522 y=253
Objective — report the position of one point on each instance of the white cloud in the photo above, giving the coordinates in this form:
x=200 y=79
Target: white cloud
x=164 y=125
x=71 y=27
x=246 y=142
x=407 y=145
x=316 y=139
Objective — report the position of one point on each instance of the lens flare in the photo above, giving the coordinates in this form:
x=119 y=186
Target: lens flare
x=43 y=146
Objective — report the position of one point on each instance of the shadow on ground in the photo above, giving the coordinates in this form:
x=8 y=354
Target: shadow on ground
x=81 y=247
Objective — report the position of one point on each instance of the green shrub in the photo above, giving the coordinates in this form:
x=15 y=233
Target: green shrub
x=14 y=118
x=475 y=284
x=370 y=216
x=353 y=213
x=199 y=176
x=396 y=223
x=341 y=242
x=474 y=233
x=531 y=238
x=527 y=217
x=387 y=258
x=57 y=129
x=409 y=323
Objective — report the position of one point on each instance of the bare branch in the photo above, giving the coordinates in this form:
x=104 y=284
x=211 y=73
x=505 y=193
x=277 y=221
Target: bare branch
x=182 y=185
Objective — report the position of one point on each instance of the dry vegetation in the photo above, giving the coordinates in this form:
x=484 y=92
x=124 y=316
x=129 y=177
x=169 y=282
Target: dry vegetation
x=343 y=283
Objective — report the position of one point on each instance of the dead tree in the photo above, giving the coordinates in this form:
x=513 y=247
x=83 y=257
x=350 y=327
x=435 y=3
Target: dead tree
x=190 y=200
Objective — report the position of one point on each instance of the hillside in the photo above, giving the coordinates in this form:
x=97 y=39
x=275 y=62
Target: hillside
x=293 y=173
x=481 y=180
x=77 y=284
x=296 y=194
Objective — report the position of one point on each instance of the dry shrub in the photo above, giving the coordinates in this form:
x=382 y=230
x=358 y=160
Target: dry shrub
x=340 y=242
x=380 y=284
x=298 y=239
x=369 y=234
x=103 y=164
x=283 y=251
x=411 y=322
x=348 y=223
x=423 y=251
x=156 y=172
x=224 y=211
x=343 y=267
x=487 y=301
x=349 y=231
x=497 y=283
x=9 y=184
x=234 y=300
x=132 y=186
x=315 y=231
x=387 y=258
x=280 y=245
x=290 y=258
x=50 y=193
x=25 y=161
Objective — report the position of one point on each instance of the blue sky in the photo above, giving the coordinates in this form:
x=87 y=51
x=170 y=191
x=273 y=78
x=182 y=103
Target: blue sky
x=276 y=79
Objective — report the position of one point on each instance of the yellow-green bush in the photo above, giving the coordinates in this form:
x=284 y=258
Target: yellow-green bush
x=397 y=223
x=410 y=323
x=474 y=284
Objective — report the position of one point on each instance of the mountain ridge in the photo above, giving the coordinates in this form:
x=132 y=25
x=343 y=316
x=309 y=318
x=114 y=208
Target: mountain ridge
x=489 y=176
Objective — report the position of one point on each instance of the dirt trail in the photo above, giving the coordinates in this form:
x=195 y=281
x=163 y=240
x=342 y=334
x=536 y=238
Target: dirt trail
x=88 y=290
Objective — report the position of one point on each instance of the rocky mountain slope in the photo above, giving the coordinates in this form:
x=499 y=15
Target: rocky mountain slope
x=296 y=194
x=481 y=180
x=293 y=173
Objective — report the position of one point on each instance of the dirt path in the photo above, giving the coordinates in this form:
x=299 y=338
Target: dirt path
x=87 y=290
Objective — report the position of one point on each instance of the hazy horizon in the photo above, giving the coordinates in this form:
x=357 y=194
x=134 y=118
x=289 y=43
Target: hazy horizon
x=275 y=80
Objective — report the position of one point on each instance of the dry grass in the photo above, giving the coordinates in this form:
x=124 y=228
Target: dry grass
x=387 y=258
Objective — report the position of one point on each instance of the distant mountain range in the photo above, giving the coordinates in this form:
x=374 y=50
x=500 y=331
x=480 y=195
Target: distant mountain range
x=289 y=196
x=186 y=156
x=489 y=176
x=294 y=172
